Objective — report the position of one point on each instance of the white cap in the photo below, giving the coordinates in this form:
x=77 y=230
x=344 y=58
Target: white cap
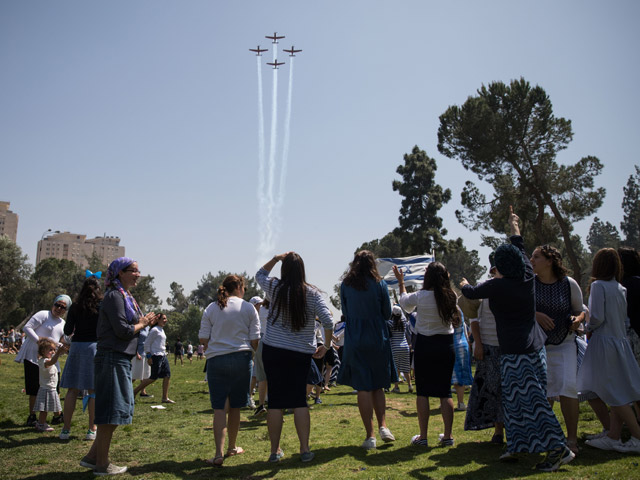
x=255 y=300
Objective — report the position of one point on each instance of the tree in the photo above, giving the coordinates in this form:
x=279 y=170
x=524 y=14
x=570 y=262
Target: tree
x=420 y=227
x=388 y=246
x=95 y=264
x=177 y=298
x=631 y=207
x=52 y=277
x=184 y=325
x=145 y=294
x=207 y=288
x=508 y=136
x=602 y=235
x=461 y=262
x=14 y=277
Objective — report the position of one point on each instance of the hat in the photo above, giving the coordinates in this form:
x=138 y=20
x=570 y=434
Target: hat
x=255 y=300
x=396 y=310
x=509 y=261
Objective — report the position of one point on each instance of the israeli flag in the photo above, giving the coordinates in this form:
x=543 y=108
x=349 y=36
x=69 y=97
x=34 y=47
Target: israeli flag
x=412 y=267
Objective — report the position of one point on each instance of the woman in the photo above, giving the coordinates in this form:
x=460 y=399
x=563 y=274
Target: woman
x=290 y=340
x=81 y=325
x=433 y=354
x=398 y=326
x=367 y=359
x=529 y=420
x=560 y=312
x=609 y=368
x=44 y=324
x=229 y=331
x=119 y=322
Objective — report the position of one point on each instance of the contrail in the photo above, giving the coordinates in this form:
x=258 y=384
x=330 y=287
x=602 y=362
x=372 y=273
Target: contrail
x=272 y=163
x=285 y=150
x=261 y=192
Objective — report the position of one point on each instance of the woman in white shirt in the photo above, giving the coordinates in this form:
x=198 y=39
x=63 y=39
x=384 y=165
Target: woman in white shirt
x=434 y=355
x=229 y=331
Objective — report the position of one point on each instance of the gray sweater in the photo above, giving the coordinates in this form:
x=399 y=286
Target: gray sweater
x=114 y=332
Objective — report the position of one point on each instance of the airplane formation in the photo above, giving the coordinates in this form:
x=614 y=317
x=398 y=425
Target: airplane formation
x=274 y=40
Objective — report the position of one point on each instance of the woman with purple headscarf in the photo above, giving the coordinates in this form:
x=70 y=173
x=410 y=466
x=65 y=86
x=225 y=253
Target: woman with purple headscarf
x=119 y=322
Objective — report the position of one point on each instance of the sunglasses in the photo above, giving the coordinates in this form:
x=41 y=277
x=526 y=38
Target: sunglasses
x=131 y=270
x=60 y=306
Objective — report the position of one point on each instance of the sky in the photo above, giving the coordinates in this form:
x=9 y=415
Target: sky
x=141 y=119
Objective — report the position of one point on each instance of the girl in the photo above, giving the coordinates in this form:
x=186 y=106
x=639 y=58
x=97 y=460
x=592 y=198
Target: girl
x=47 y=399
x=609 y=368
x=437 y=315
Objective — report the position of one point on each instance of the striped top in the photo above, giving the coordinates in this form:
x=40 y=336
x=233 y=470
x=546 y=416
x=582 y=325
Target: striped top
x=279 y=336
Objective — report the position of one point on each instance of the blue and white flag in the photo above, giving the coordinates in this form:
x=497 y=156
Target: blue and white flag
x=412 y=267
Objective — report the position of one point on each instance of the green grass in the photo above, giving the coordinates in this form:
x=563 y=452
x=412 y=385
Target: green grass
x=173 y=443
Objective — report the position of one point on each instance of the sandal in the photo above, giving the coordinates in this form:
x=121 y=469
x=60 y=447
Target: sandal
x=215 y=461
x=234 y=451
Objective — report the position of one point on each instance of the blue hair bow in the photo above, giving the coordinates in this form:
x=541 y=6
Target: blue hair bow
x=88 y=273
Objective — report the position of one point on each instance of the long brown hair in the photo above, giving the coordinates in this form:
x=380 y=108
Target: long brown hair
x=436 y=278
x=552 y=253
x=290 y=299
x=90 y=296
x=606 y=265
x=230 y=284
x=361 y=268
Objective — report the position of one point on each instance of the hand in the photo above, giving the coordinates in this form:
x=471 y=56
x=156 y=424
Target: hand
x=545 y=321
x=575 y=323
x=463 y=282
x=320 y=352
x=138 y=356
x=478 y=350
x=150 y=361
x=279 y=258
x=398 y=273
x=514 y=222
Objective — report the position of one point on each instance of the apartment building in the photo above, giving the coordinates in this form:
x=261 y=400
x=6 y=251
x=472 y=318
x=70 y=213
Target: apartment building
x=77 y=248
x=8 y=222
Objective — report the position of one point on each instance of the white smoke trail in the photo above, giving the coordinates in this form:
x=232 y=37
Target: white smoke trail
x=285 y=149
x=268 y=239
x=261 y=166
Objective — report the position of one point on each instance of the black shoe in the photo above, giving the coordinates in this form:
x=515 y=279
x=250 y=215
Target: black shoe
x=260 y=410
x=31 y=420
x=57 y=420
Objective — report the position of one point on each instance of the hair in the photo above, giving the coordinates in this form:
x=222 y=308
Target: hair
x=630 y=261
x=361 y=268
x=290 y=298
x=43 y=344
x=397 y=322
x=230 y=284
x=436 y=278
x=606 y=265
x=552 y=253
x=90 y=296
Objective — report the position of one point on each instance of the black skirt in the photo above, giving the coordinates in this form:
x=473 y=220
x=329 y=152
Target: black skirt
x=287 y=373
x=434 y=358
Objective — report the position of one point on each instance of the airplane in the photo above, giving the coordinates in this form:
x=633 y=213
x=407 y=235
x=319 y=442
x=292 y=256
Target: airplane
x=258 y=50
x=276 y=64
x=292 y=51
x=275 y=37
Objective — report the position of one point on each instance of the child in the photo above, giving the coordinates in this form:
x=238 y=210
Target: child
x=156 y=353
x=48 y=399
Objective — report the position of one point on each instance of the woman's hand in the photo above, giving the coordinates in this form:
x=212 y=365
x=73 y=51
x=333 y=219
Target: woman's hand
x=478 y=350
x=400 y=277
x=576 y=321
x=545 y=321
x=514 y=222
x=320 y=351
x=279 y=258
x=464 y=282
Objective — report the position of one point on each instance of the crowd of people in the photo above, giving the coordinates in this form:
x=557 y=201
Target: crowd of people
x=534 y=342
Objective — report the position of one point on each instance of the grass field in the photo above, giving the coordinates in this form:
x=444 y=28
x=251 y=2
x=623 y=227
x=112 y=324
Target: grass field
x=173 y=443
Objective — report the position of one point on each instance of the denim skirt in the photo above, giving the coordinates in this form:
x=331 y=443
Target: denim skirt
x=229 y=376
x=78 y=369
x=114 y=391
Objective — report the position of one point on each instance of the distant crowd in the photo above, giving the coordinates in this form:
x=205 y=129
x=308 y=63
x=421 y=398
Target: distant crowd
x=533 y=341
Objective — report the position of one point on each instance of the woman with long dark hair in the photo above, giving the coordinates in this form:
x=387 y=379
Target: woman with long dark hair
x=560 y=312
x=290 y=341
x=82 y=321
x=368 y=364
x=434 y=356
x=230 y=331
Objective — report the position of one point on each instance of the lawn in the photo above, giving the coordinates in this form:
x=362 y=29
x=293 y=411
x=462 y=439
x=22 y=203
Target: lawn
x=173 y=443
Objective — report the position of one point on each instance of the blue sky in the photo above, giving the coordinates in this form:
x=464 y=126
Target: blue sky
x=140 y=119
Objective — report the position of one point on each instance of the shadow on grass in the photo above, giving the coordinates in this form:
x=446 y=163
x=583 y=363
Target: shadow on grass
x=13 y=436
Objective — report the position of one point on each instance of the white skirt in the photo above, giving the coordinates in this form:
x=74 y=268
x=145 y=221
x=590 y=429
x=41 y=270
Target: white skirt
x=140 y=369
x=562 y=368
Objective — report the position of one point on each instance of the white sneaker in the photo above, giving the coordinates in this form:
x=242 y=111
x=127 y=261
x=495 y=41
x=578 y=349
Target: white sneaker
x=605 y=443
x=461 y=407
x=252 y=403
x=630 y=446
x=593 y=436
x=369 y=443
x=91 y=435
x=386 y=435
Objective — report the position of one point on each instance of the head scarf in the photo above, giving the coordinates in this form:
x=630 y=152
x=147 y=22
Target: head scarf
x=112 y=282
x=509 y=261
x=65 y=298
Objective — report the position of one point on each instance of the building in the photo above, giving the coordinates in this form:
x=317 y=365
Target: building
x=76 y=247
x=8 y=222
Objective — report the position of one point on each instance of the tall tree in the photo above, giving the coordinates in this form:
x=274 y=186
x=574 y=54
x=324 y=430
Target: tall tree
x=177 y=299
x=420 y=227
x=51 y=278
x=460 y=262
x=630 y=225
x=602 y=235
x=14 y=277
x=206 y=290
x=145 y=294
x=508 y=136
